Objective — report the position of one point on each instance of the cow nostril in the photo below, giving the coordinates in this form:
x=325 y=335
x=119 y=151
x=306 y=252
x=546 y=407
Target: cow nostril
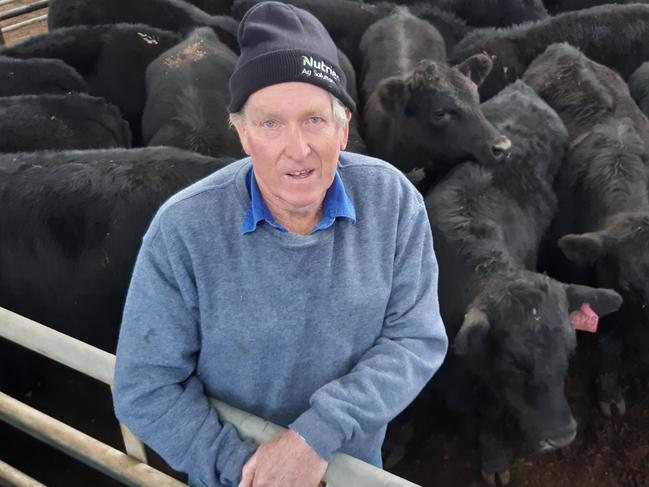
x=562 y=441
x=500 y=150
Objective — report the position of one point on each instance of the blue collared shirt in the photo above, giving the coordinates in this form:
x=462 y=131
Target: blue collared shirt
x=336 y=204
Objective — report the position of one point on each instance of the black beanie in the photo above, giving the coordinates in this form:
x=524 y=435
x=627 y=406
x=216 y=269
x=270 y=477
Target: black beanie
x=281 y=43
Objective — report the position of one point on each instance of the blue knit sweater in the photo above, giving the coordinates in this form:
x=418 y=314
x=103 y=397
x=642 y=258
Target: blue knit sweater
x=331 y=334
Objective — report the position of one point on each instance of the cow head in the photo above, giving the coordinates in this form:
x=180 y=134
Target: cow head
x=620 y=255
x=438 y=109
x=517 y=337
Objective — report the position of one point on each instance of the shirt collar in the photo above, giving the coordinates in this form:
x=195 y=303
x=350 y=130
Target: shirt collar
x=336 y=204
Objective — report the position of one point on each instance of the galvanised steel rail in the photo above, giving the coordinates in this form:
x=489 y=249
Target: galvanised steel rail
x=84 y=448
x=16 y=477
x=343 y=470
x=17 y=12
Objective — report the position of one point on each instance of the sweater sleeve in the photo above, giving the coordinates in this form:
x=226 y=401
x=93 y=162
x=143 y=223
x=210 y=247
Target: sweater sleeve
x=395 y=369
x=156 y=391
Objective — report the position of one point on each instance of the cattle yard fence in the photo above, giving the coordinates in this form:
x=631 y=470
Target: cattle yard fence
x=131 y=468
x=20 y=11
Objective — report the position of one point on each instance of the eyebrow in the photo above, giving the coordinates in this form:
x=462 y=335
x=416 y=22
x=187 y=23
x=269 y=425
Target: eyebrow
x=309 y=112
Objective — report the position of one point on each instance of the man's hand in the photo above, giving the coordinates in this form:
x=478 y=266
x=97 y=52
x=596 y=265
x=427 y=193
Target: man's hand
x=287 y=461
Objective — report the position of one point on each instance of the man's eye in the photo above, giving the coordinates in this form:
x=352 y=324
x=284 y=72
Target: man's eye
x=315 y=120
x=270 y=124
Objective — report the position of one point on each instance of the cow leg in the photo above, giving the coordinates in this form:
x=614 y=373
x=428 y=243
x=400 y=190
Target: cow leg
x=610 y=342
x=493 y=455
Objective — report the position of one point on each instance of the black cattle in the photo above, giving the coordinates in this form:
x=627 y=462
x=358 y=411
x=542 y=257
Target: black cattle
x=349 y=19
x=213 y=7
x=72 y=121
x=639 y=87
x=187 y=97
x=111 y=58
x=490 y=13
x=509 y=326
x=603 y=227
x=613 y=35
x=173 y=15
x=38 y=76
x=557 y=6
x=419 y=112
x=70 y=227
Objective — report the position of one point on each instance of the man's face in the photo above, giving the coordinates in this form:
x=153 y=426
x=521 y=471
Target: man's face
x=290 y=132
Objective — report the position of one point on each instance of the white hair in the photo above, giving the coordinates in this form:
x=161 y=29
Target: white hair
x=339 y=110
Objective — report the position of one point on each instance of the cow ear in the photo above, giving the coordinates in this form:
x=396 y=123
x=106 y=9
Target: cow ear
x=583 y=249
x=476 y=68
x=472 y=337
x=602 y=301
x=394 y=95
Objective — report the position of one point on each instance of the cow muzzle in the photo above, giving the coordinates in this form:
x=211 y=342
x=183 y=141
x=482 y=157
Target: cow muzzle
x=556 y=442
x=500 y=150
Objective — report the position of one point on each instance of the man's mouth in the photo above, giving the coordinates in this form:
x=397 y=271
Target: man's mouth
x=301 y=174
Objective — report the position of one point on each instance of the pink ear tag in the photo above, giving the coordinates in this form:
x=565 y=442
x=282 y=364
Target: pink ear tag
x=585 y=319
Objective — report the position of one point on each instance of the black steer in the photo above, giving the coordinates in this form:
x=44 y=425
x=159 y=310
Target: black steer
x=509 y=326
x=421 y=114
x=639 y=87
x=603 y=227
x=557 y=6
x=490 y=13
x=614 y=35
x=38 y=76
x=174 y=15
x=349 y=20
x=111 y=58
x=72 y=121
x=70 y=227
x=187 y=97
x=77 y=217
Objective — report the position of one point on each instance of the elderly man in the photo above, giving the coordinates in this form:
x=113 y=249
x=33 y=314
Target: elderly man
x=299 y=284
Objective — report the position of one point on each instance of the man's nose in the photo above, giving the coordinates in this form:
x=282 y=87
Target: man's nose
x=297 y=146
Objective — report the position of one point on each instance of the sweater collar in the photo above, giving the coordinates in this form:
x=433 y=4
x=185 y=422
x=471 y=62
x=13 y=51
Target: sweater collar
x=336 y=204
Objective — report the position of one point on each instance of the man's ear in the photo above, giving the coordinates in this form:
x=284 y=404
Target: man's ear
x=345 y=135
x=583 y=249
x=239 y=125
x=476 y=68
x=393 y=94
x=602 y=301
x=471 y=340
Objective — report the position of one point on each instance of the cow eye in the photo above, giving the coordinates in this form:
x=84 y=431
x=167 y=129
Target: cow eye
x=439 y=114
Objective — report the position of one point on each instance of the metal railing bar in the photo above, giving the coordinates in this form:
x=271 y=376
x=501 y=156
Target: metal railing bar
x=346 y=471
x=61 y=348
x=343 y=470
x=16 y=12
x=25 y=23
x=6 y=2
x=84 y=448
x=11 y=477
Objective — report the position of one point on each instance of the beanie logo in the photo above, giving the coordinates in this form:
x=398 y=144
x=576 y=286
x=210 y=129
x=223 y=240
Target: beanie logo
x=318 y=69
